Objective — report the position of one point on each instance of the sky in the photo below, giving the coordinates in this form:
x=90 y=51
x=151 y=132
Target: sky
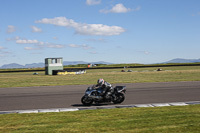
x=115 y=31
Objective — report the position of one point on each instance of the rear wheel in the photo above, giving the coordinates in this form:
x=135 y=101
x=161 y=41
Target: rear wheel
x=86 y=101
x=119 y=98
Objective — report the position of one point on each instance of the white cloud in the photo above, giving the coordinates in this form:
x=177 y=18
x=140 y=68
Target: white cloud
x=99 y=29
x=13 y=39
x=38 y=44
x=83 y=28
x=30 y=48
x=84 y=46
x=55 y=46
x=11 y=29
x=36 y=29
x=58 y=21
x=73 y=45
x=119 y=8
x=93 y=2
x=137 y=9
x=25 y=41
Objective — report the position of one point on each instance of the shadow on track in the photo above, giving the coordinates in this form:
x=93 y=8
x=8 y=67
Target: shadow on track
x=81 y=105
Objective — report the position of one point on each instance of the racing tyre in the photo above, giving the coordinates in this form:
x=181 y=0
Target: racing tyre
x=86 y=101
x=119 y=98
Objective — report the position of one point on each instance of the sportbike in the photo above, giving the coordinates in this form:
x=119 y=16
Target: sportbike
x=115 y=95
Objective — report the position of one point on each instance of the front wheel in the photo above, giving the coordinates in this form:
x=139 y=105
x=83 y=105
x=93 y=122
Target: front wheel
x=86 y=101
x=119 y=98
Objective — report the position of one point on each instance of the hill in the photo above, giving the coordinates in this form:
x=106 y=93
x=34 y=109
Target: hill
x=180 y=60
x=41 y=65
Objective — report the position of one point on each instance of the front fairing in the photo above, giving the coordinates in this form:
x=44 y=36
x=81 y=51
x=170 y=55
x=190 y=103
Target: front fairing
x=120 y=89
x=89 y=91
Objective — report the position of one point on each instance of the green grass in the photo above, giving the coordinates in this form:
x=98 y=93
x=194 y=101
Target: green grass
x=157 y=119
x=109 y=65
x=132 y=65
x=170 y=74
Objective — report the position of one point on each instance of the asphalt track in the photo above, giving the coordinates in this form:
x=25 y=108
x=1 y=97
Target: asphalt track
x=46 y=97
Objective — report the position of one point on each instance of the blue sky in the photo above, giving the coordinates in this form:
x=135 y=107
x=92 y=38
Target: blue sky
x=117 y=31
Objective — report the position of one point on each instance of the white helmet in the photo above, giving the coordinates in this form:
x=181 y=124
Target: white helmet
x=100 y=81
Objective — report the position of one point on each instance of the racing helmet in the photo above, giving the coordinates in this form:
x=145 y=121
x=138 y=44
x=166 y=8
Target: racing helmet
x=100 y=81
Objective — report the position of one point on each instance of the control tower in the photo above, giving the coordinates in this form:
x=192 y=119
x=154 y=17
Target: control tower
x=53 y=64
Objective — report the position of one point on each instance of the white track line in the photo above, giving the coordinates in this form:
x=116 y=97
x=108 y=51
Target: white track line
x=101 y=107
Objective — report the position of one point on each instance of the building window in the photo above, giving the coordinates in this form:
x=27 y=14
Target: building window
x=59 y=61
x=55 y=61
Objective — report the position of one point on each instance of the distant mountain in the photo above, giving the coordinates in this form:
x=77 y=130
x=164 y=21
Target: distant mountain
x=35 y=65
x=65 y=63
x=180 y=60
x=12 y=65
x=101 y=62
x=41 y=65
x=15 y=65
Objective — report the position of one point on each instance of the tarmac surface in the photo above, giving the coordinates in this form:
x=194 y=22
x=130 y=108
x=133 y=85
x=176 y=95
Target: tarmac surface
x=47 y=97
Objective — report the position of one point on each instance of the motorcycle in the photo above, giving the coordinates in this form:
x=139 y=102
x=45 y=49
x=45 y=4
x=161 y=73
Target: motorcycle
x=115 y=95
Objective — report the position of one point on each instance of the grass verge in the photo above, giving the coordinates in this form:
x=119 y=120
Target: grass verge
x=172 y=74
x=157 y=119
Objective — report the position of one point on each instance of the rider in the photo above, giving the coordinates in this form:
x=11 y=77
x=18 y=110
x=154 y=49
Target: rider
x=105 y=86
